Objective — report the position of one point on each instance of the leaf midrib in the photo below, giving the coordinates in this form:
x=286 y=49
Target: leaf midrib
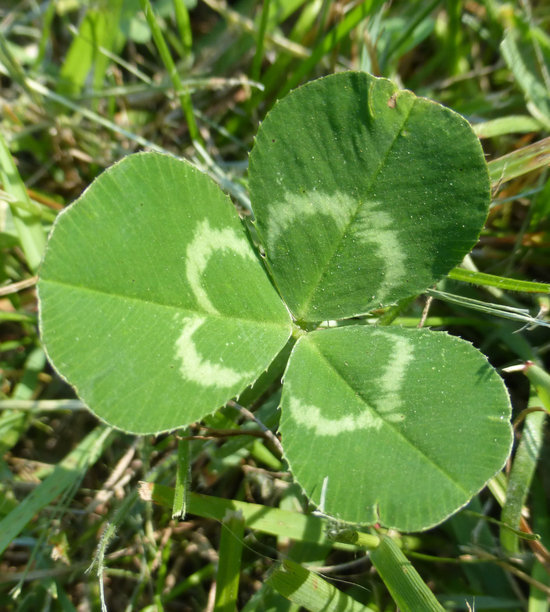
x=324 y=269
x=179 y=309
x=388 y=423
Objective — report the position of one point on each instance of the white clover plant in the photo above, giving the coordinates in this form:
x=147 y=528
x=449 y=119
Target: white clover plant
x=156 y=306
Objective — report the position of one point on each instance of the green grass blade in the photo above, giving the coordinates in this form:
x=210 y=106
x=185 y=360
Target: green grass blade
x=46 y=33
x=108 y=43
x=183 y=479
x=536 y=94
x=236 y=18
x=490 y=280
x=184 y=26
x=183 y=95
x=13 y=68
x=258 y=56
x=513 y=124
x=66 y=473
x=309 y=590
x=30 y=405
x=82 y=53
x=337 y=34
x=497 y=310
x=264 y=456
x=229 y=564
x=13 y=425
x=266 y=599
x=538 y=600
x=520 y=162
x=27 y=223
x=540 y=379
x=394 y=311
x=305 y=23
x=94 y=117
x=195 y=579
x=283 y=523
x=521 y=475
x=409 y=591
x=405 y=37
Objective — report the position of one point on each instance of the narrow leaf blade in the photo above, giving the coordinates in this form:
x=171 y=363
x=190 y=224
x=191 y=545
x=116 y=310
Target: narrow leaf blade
x=309 y=590
x=68 y=472
x=404 y=583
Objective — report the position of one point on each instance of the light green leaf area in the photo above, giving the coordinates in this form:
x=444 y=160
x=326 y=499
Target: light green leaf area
x=153 y=303
x=363 y=194
x=392 y=425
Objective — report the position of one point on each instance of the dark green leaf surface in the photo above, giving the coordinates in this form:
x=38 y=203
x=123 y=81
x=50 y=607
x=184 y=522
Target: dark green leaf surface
x=153 y=303
x=391 y=425
x=363 y=194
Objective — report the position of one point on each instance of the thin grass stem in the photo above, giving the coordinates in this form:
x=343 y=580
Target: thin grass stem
x=181 y=92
